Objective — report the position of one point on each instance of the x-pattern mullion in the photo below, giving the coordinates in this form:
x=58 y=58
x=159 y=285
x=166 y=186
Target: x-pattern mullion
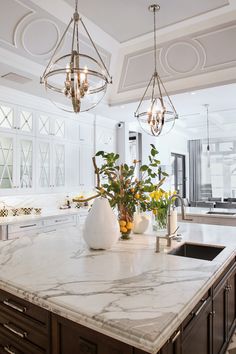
x=60 y=165
x=44 y=123
x=25 y=167
x=60 y=128
x=6 y=116
x=26 y=120
x=43 y=160
x=5 y=161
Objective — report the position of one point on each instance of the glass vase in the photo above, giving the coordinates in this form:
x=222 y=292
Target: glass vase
x=160 y=220
x=126 y=217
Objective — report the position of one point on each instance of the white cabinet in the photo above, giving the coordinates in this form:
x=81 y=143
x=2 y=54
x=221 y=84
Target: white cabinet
x=86 y=170
x=72 y=166
x=16 y=163
x=36 y=226
x=50 y=165
x=105 y=139
x=86 y=134
x=50 y=126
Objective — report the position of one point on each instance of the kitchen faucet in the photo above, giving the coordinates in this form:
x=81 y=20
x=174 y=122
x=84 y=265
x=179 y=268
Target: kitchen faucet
x=169 y=236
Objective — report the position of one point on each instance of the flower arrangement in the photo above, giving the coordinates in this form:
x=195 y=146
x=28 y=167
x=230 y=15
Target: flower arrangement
x=124 y=189
x=159 y=204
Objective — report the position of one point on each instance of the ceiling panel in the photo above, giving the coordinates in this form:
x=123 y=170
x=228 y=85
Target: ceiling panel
x=115 y=17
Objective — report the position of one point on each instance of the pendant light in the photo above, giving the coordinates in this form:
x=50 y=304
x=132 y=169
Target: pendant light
x=76 y=78
x=153 y=116
x=208 y=134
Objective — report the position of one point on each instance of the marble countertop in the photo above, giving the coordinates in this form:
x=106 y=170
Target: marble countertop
x=203 y=212
x=130 y=292
x=44 y=215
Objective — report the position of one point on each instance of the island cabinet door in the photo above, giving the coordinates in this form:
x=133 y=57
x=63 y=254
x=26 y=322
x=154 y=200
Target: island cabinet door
x=197 y=329
x=224 y=309
x=231 y=303
x=69 y=337
x=173 y=345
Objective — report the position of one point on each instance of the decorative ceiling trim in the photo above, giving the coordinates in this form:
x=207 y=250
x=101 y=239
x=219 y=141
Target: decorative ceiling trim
x=188 y=52
x=23 y=34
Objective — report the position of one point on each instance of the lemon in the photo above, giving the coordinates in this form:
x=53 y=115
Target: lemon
x=122 y=222
x=129 y=225
x=123 y=229
x=137 y=196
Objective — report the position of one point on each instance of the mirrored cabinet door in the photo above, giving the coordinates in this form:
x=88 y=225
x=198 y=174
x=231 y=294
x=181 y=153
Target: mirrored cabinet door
x=25 y=121
x=44 y=125
x=7 y=117
x=7 y=162
x=43 y=161
x=59 y=165
x=59 y=128
x=25 y=149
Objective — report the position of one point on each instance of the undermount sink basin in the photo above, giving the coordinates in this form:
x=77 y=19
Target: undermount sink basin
x=198 y=251
x=220 y=213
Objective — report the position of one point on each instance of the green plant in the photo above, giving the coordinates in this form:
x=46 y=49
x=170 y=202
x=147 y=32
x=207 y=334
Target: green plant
x=120 y=183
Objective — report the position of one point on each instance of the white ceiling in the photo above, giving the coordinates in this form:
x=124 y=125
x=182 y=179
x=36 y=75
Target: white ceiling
x=125 y=20
x=196 y=50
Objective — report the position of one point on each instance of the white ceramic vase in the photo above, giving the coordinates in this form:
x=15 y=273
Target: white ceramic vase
x=141 y=222
x=101 y=229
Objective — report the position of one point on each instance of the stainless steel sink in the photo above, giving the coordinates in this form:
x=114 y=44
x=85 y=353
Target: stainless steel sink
x=198 y=251
x=220 y=213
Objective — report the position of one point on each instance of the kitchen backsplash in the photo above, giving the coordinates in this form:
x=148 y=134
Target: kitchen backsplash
x=44 y=201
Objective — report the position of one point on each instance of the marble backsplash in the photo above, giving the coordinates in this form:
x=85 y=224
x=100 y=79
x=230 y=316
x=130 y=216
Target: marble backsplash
x=44 y=201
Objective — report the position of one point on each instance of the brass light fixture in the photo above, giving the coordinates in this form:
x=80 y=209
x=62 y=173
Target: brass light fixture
x=159 y=110
x=76 y=77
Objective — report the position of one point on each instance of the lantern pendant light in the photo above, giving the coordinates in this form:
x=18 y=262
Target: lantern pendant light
x=76 y=82
x=159 y=110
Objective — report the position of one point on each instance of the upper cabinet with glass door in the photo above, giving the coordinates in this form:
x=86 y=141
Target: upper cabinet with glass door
x=16 y=119
x=16 y=163
x=50 y=126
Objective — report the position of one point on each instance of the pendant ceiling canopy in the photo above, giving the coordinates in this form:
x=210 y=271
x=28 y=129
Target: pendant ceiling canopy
x=75 y=81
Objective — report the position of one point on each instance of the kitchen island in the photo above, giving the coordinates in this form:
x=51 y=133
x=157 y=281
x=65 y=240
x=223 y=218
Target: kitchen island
x=129 y=293
x=211 y=216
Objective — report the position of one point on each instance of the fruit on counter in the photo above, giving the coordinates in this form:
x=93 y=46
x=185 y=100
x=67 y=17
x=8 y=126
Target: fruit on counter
x=123 y=229
x=129 y=225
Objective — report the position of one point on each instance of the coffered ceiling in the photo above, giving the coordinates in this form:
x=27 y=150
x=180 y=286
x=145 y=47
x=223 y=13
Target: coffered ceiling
x=196 y=42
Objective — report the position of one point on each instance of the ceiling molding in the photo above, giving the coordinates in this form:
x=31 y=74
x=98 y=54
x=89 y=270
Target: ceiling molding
x=185 y=57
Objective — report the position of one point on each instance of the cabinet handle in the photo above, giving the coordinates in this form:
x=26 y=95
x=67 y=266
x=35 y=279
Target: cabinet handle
x=15 y=330
x=9 y=350
x=200 y=308
x=14 y=306
x=25 y=226
x=176 y=336
x=61 y=220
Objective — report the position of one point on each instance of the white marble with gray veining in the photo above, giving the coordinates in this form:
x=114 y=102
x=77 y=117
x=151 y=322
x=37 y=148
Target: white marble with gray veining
x=129 y=293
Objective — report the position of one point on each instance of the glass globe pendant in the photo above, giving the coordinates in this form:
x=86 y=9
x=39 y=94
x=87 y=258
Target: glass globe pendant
x=76 y=82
